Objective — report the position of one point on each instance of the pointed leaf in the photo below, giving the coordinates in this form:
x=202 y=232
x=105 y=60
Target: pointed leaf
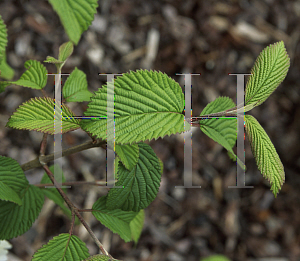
x=117 y=220
x=265 y=154
x=148 y=105
x=3 y=38
x=12 y=174
x=35 y=77
x=65 y=51
x=8 y=194
x=75 y=88
x=223 y=129
x=140 y=185
x=128 y=154
x=7 y=72
x=16 y=220
x=268 y=72
x=76 y=16
x=37 y=114
x=136 y=225
x=63 y=247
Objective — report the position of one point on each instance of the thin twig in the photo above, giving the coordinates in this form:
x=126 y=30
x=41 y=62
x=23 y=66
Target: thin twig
x=45 y=159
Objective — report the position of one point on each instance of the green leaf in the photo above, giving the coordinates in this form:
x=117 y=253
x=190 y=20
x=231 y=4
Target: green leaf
x=50 y=59
x=16 y=220
x=65 y=51
x=76 y=16
x=12 y=174
x=3 y=38
x=148 y=105
x=117 y=220
x=216 y=258
x=3 y=85
x=128 y=154
x=140 y=185
x=222 y=130
x=100 y=258
x=37 y=114
x=136 y=225
x=7 y=72
x=75 y=88
x=35 y=77
x=265 y=154
x=268 y=72
x=8 y=194
x=63 y=247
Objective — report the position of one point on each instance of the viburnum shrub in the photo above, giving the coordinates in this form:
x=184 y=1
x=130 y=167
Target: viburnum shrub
x=147 y=105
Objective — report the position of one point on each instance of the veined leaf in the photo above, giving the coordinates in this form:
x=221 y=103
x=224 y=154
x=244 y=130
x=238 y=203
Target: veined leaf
x=3 y=38
x=35 y=77
x=140 y=185
x=222 y=130
x=268 y=72
x=148 y=105
x=128 y=154
x=265 y=154
x=37 y=114
x=8 y=194
x=63 y=247
x=16 y=220
x=75 y=88
x=76 y=15
x=136 y=225
x=12 y=174
x=65 y=51
x=117 y=220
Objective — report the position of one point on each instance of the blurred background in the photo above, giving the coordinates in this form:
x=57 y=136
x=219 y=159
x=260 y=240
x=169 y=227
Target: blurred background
x=213 y=38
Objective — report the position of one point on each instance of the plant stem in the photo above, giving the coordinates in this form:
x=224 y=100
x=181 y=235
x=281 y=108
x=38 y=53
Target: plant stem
x=45 y=159
x=75 y=183
x=74 y=210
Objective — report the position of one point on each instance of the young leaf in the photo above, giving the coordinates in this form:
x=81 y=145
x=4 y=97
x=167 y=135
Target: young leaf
x=50 y=59
x=76 y=16
x=136 y=225
x=37 y=114
x=222 y=130
x=265 y=154
x=35 y=77
x=75 y=88
x=216 y=258
x=3 y=86
x=16 y=220
x=63 y=247
x=128 y=154
x=140 y=185
x=3 y=38
x=268 y=72
x=117 y=220
x=7 y=72
x=65 y=51
x=148 y=105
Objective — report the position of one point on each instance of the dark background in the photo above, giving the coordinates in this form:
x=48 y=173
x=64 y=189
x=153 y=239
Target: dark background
x=213 y=38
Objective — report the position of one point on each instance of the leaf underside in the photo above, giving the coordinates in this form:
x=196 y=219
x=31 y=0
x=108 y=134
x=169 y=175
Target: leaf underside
x=265 y=154
x=268 y=72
